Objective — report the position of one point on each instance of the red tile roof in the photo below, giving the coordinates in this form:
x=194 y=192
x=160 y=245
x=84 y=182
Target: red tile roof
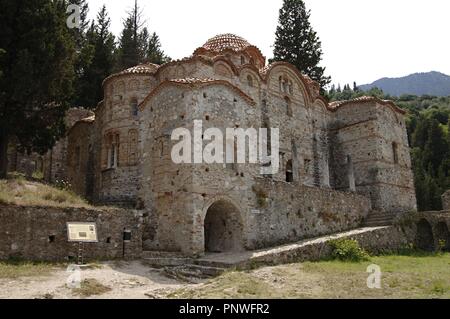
x=226 y=41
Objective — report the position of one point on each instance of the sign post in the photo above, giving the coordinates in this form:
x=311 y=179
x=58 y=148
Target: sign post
x=82 y=233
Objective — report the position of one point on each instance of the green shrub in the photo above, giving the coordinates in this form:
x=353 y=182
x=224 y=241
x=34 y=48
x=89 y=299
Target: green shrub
x=348 y=250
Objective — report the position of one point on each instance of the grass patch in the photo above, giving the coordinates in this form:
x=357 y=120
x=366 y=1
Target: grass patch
x=91 y=287
x=15 y=269
x=18 y=191
x=405 y=277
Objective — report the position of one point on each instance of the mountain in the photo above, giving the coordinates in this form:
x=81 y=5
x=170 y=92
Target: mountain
x=431 y=83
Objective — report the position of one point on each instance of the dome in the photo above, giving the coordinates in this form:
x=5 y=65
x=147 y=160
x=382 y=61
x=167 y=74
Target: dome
x=226 y=41
x=146 y=68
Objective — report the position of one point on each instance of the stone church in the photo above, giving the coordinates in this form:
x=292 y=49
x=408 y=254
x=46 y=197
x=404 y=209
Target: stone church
x=340 y=162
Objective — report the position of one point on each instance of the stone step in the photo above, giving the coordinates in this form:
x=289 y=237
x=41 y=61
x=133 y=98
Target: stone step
x=213 y=263
x=191 y=271
x=161 y=254
x=160 y=262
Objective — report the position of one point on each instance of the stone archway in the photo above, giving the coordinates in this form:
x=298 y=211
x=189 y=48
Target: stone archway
x=223 y=228
x=442 y=234
x=424 y=236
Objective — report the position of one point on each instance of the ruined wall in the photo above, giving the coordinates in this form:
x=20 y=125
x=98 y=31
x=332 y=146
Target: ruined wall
x=55 y=161
x=23 y=163
x=40 y=233
x=80 y=159
x=446 y=200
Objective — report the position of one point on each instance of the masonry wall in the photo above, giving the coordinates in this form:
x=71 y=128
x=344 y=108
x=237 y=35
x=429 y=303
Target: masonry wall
x=40 y=233
x=80 y=159
x=55 y=161
x=371 y=156
x=446 y=200
x=118 y=121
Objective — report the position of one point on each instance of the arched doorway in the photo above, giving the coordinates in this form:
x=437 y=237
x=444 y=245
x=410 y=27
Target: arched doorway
x=223 y=228
x=424 y=236
x=442 y=236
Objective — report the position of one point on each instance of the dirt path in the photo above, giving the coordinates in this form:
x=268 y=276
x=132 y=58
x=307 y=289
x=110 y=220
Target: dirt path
x=126 y=281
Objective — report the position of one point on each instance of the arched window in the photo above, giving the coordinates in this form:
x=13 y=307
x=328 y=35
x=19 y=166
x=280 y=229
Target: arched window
x=250 y=80
x=395 y=152
x=242 y=60
x=252 y=61
x=113 y=150
x=289 y=172
x=134 y=107
x=291 y=88
x=288 y=106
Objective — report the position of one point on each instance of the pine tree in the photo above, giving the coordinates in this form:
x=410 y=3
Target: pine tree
x=100 y=48
x=155 y=54
x=37 y=67
x=297 y=43
x=133 y=40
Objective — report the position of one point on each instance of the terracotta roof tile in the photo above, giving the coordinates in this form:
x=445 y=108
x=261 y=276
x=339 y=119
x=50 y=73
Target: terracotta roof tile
x=226 y=41
x=365 y=99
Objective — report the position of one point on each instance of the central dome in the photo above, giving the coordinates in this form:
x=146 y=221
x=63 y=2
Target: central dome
x=226 y=41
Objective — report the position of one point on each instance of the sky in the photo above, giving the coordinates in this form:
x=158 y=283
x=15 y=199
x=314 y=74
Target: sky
x=362 y=40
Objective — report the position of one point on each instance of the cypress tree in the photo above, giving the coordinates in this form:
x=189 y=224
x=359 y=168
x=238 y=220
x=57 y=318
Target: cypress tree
x=37 y=67
x=297 y=43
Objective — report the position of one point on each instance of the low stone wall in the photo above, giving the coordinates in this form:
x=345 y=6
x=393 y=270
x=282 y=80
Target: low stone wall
x=446 y=200
x=40 y=233
x=288 y=213
x=374 y=240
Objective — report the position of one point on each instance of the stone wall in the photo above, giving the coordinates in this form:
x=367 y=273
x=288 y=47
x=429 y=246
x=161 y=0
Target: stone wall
x=40 y=233
x=55 y=161
x=446 y=200
x=80 y=159
x=370 y=154
x=21 y=162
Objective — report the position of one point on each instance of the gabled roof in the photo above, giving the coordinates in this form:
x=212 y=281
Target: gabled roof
x=334 y=106
x=196 y=82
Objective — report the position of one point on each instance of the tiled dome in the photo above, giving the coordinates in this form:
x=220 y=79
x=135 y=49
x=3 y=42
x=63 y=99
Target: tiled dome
x=147 y=68
x=226 y=41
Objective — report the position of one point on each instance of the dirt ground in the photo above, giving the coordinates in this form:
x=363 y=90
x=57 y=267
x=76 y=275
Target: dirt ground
x=131 y=280
x=416 y=276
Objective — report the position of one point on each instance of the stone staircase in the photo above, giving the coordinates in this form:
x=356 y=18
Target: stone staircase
x=180 y=267
x=377 y=219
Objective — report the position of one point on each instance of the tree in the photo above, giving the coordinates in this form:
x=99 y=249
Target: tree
x=133 y=40
x=297 y=43
x=37 y=67
x=99 y=50
x=155 y=54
